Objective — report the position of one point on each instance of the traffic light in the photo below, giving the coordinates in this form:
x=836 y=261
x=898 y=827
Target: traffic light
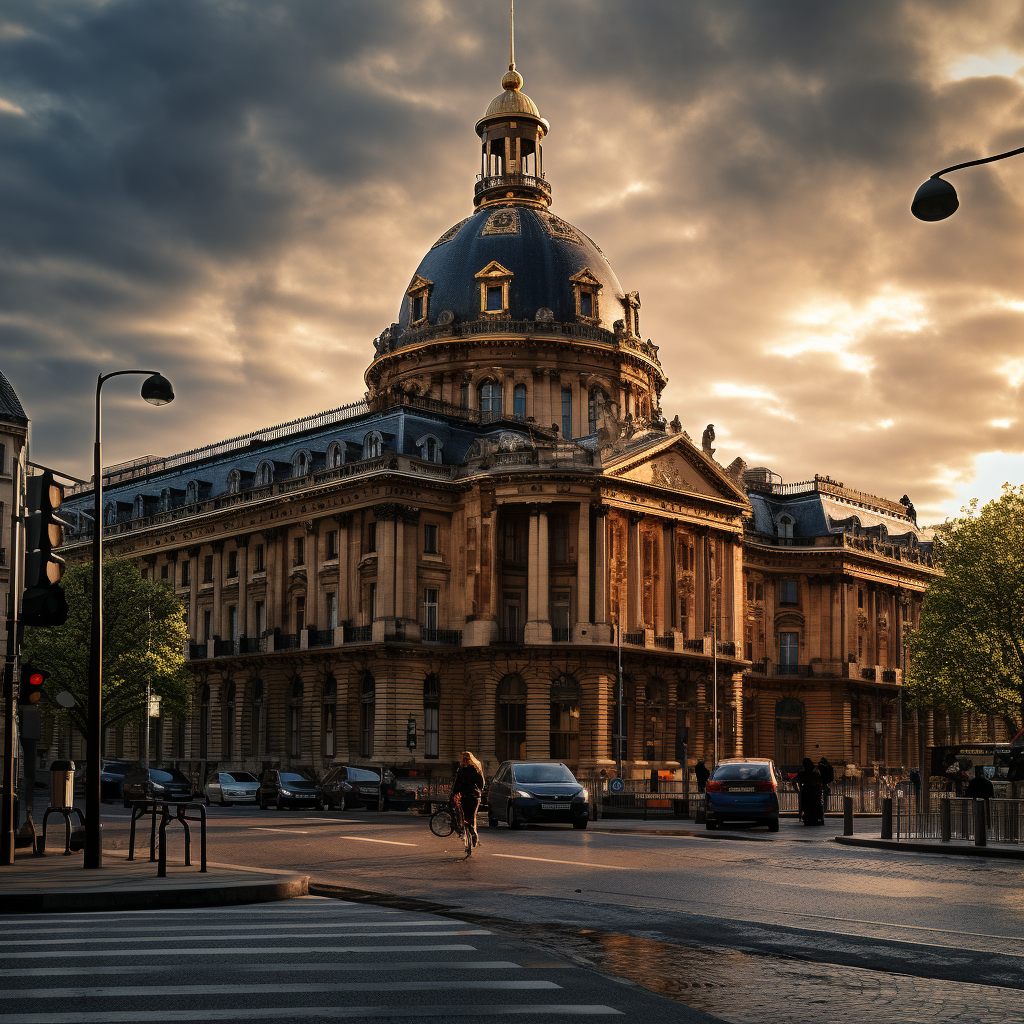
x=44 y=603
x=32 y=681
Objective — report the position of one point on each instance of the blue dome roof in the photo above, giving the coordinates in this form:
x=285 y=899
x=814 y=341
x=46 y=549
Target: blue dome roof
x=540 y=250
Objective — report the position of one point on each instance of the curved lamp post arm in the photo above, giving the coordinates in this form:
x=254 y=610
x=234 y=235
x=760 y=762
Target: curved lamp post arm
x=936 y=199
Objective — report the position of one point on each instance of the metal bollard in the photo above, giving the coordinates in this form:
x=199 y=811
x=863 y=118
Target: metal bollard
x=980 y=838
x=887 y=817
x=847 y=815
x=945 y=820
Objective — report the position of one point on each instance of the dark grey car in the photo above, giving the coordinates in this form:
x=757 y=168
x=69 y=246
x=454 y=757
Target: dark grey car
x=163 y=782
x=287 y=789
x=536 y=791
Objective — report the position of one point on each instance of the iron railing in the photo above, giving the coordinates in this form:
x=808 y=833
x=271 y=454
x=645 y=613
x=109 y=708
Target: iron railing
x=561 y=635
x=635 y=638
x=445 y=637
x=358 y=634
x=286 y=641
x=510 y=635
x=321 y=638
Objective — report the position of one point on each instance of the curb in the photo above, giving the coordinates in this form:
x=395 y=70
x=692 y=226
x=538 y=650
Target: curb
x=934 y=848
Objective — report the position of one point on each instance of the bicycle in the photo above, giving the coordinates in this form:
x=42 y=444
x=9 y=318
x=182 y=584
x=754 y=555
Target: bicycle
x=446 y=820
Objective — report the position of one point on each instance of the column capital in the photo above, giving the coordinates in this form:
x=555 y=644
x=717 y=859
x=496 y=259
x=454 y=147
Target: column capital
x=600 y=509
x=271 y=533
x=636 y=517
x=242 y=540
x=172 y=556
x=343 y=519
x=193 y=552
x=217 y=545
x=393 y=510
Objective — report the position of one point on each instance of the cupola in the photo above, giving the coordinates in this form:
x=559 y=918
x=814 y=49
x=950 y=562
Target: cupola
x=511 y=154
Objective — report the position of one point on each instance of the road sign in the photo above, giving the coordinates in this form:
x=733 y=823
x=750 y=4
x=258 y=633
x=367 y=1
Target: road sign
x=616 y=785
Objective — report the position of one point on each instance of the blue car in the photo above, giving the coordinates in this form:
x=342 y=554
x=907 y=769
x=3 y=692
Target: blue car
x=743 y=789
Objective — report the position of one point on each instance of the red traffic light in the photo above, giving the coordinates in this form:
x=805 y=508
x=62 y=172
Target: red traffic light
x=32 y=681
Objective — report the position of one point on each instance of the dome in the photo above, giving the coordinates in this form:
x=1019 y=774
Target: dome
x=512 y=101
x=541 y=252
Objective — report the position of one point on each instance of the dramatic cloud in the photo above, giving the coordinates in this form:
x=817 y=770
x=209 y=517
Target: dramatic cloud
x=237 y=193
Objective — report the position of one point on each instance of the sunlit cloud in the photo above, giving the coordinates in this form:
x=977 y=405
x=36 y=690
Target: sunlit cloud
x=7 y=107
x=998 y=62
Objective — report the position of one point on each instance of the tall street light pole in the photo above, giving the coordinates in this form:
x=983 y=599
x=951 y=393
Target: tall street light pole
x=156 y=390
x=936 y=199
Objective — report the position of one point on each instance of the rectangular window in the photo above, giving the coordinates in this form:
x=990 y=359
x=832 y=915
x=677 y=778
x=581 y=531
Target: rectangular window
x=430 y=538
x=860 y=597
x=431 y=727
x=586 y=304
x=750 y=651
x=464 y=395
x=232 y=565
x=789 y=653
x=371 y=537
x=163 y=571
x=495 y=298
x=759 y=592
x=207 y=624
x=186 y=572
x=566 y=412
x=144 y=573
x=300 y=614
x=233 y=622
x=430 y=609
x=208 y=569
x=373 y=601
x=787 y=592
x=332 y=610
x=258 y=565
x=261 y=618
x=332 y=544
x=750 y=591
x=417 y=308
x=560 y=612
x=299 y=551
x=511 y=541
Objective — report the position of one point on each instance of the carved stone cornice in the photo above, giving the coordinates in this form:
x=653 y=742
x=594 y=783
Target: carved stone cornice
x=242 y=540
x=600 y=509
x=392 y=510
x=343 y=519
x=636 y=517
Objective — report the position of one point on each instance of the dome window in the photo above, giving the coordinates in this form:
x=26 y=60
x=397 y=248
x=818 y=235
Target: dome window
x=519 y=401
x=335 y=455
x=264 y=474
x=494 y=289
x=491 y=395
x=419 y=300
x=300 y=464
x=587 y=289
x=429 y=448
x=234 y=481
x=373 y=445
x=596 y=409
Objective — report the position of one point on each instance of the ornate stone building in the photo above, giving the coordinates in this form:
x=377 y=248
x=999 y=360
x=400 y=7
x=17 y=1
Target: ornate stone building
x=441 y=565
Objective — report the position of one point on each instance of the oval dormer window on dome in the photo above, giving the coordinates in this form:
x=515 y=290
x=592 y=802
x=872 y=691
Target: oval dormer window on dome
x=264 y=474
x=373 y=445
x=495 y=282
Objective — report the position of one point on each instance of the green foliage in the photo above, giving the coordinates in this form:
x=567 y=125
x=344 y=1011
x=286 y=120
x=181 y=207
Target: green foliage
x=144 y=633
x=968 y=653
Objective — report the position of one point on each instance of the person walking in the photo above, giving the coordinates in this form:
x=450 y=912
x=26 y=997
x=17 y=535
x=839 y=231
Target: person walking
x=828 y=776
x=808 y=782
x=980 y=788
x=700 y=770
x=469 y=786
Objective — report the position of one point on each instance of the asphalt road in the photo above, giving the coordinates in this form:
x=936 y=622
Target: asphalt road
x=789 y=899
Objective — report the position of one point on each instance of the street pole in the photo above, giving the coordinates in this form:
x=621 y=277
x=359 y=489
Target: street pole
x=618 y=742
x=10 y=736
x=149 y=686
x=714 y=658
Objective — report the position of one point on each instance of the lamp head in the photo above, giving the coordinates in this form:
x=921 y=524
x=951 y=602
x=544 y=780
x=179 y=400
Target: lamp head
x=157 y=390
x=935 y=200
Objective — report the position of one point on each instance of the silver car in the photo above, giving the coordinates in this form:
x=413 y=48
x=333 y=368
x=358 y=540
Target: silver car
x=226 y=788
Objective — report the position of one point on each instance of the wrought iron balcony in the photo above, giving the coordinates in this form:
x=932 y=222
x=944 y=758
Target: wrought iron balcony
x=488 y=182
x=445 y=637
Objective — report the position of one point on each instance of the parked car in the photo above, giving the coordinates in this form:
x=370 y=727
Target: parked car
x=287 y=789
x=347 y=786
x=112 y=775
x=743 y=789
x=162 y=782
x=536 y=791
x=227 y=788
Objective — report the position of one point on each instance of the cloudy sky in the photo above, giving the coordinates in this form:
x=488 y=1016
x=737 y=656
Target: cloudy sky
x=237 y=192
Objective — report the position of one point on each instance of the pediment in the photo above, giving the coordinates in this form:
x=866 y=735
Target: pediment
x=494 y=269
x=417 y=284
x=678 y=466
x=585 y=276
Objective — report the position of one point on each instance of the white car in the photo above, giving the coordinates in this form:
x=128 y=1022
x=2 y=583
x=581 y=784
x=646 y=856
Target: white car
x=226 y=788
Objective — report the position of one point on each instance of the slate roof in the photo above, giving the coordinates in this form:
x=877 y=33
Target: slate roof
x=818 y=515
x=542 y=255
x=11 y=410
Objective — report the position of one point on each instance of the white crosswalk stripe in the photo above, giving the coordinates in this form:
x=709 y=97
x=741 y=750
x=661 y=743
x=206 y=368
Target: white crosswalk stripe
x=298 y=961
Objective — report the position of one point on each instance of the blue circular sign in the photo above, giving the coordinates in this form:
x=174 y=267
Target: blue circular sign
x=616 y=785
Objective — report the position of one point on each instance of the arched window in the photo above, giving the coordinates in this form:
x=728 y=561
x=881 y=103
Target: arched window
x=138 y=507
x=191 y=492
x=789 y=733
x=335 y=455
x=564 y=730
x=432 y=715
x=654 y=720
x=595 y=408
x=256 y=720
x=490 y=400
x=373 y=445
x=264 y=474
x=204 y=724
x=165 y=499
x=110 y=513
x=234 y=481
x=300 y=464
x=227 y=745
x=519 y=401
x=367 y=714
x=295 y=720
x=786 y=527
x=510 y=719
x=329 y=713
x=429 y=448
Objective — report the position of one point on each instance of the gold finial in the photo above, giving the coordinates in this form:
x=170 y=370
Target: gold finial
x=512 y=80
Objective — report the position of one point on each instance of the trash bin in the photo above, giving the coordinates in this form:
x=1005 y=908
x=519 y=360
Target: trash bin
x=62 y=783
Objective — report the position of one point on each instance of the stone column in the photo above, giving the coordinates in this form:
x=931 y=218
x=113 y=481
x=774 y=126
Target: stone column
x=193 y=592
x=634 y=573
x=273 y=603
x=599 y=612
x=344 y=522
x=242 y=545
x=532 y=569
x=313 y=574
x=662 y=538
x=538 y=626
x=385 y=606
x=398 y=556
x=218 y=585
x=583 y=612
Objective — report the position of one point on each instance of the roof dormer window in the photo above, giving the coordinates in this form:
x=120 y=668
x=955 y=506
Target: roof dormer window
x=419 y=300
x=586 y=289
x=494 y=289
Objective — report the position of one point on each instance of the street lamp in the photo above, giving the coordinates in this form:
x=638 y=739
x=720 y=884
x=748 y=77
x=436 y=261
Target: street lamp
x=936 y=199
x=157 y=390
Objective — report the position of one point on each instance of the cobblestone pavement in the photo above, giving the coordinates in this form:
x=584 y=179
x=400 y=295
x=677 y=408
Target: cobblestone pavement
x=754 y=989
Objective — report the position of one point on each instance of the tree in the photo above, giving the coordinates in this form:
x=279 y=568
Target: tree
x=968 y=652
x=144 y=633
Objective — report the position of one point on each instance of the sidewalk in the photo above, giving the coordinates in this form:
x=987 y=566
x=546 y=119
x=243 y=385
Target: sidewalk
x=964 y=848
x=790 y=829
x=56 y=883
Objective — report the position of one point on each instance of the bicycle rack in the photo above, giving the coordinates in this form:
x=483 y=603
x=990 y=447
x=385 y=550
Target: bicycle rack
x=158 y=835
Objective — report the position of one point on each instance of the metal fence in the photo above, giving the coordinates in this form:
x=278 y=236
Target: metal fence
x=952 y=818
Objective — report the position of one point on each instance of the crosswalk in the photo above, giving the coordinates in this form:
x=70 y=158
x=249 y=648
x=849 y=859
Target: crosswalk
x=299 y=960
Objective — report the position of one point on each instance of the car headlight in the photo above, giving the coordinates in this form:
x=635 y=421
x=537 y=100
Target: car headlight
x=524 y=794
x=157 y=787
x=584 y=795
x=286 y=792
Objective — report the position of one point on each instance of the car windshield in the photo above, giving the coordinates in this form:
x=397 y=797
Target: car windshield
x=116 y=767
x=294 y=779
x=742 y=773
x=237 y=777
x=171 y=775
x=332 y=774
x=359 y=775
x=542 y=773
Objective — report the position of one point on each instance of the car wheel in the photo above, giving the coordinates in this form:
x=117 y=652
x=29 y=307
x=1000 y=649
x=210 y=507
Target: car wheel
x=581 y=824
x=773 y=825
x=710 y=825
x=262 y=803
x=510 y=816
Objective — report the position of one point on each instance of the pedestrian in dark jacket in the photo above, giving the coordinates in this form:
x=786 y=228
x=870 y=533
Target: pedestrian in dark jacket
x=980 y=788
x=808 y=782
x=469 y=786
x=700 y=769
x=828 y=776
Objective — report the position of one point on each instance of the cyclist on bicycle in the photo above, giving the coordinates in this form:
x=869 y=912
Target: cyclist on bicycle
x=469 y=785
